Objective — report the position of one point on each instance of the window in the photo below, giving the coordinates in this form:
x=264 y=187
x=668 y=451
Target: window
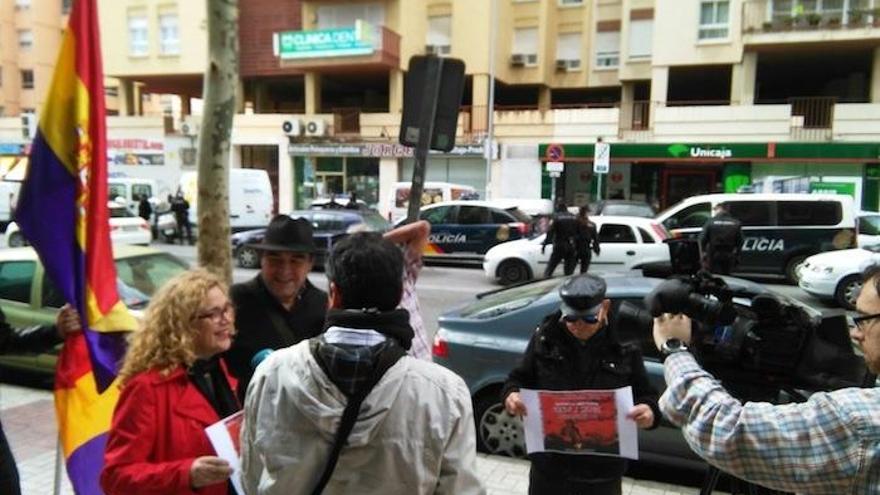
x=138 y=190
x=139 y=277
x=22 y=4
x=323 y=222
x=525 y=42
x=138 y=36
x=608 y=49
x=473 y=215
x=869 y=224
x=169 y=42
x=439 y=36
x=568 y=48
x=692 y=216
x=66 y=5
x=499 y=216
x=16 y=278
x=438 y=215
x=646 y=236
x=714 y=18
x=25 y=39
x=116 y=191
x=571 y=2
x=616 y=233
x=808 y=212
x=641 y=32
x=752 y=213
x=346 y=15
x=27 y=79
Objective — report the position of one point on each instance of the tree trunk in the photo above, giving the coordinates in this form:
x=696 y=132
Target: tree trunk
x=221 y=82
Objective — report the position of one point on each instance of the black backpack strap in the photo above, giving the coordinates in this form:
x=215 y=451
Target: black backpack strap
x=386 y=360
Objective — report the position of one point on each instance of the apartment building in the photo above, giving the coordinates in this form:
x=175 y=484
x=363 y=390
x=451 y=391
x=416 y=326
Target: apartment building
x=694 y=96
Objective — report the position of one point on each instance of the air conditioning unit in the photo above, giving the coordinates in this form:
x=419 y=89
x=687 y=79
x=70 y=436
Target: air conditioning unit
x=518 y=60
x=291 y=127
x=188 y=128
x=316 y=127
x=567 y=64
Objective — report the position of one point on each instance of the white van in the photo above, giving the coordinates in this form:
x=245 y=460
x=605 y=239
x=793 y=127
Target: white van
x=8 y=199
x=433 y=192
x=130 y=190
x=779 y=230
x=250 y=198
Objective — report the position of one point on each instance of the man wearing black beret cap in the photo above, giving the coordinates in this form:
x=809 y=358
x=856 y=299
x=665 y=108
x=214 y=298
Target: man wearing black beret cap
x=574 y=349
x=279 y=307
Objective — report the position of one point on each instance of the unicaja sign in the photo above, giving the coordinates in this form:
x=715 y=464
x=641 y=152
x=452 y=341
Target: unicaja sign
x=699 y=152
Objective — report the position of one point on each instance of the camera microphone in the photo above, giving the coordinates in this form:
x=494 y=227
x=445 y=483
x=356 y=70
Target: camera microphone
x=260 y=356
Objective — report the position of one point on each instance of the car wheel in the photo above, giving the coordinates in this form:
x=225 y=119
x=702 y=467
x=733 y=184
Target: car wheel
x=17 y=240
x=792 y=267
x=497 y=431
x=248 y=257
x=848 y=291
x=513 y=272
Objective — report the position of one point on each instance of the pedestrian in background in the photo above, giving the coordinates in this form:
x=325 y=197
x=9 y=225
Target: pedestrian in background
x=145 y=209
x=305 y=430
x=180 y=207
x=575 y=349
x=720 y=241
x=30 y=339
x=562 y=234
x=174 y=385
x=280 y=306
x=412 y=239
x=587 y=239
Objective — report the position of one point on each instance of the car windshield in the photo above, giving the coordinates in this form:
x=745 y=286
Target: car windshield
x=519 y=215
x=139 y=277
x=628 y=210
x=375 y=222
x=120 y=212
x=874 y=248
x=507 y=300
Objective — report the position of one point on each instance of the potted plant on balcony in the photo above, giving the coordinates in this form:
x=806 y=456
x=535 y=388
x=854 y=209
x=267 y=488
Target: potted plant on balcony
x=856 y=18
x=814 y=19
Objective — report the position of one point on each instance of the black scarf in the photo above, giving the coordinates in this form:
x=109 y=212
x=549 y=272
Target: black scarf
x=393 y=324
x=208 y=377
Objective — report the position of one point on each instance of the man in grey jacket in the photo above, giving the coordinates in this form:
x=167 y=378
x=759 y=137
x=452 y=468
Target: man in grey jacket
x=414 y=431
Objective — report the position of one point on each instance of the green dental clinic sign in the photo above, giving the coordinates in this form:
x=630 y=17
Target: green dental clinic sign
x=342 y=42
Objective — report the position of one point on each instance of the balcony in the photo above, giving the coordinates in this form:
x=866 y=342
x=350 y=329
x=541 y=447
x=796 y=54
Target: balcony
x=362 y=46
x=774 y=21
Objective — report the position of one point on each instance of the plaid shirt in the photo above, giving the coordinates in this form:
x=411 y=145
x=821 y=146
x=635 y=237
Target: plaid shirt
x=412 y=265
x=827 y=445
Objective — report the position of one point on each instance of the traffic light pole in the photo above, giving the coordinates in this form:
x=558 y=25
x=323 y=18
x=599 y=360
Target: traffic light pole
x=427 y=114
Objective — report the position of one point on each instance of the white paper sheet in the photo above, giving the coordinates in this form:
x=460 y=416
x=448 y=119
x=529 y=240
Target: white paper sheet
x=224 y=436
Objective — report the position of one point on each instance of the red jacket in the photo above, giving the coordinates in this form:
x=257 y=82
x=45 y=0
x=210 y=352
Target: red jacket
x=158 y=431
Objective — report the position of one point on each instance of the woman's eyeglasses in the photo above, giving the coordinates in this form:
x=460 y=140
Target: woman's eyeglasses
x=585 y=318
x=216 y=314
x=860 y=322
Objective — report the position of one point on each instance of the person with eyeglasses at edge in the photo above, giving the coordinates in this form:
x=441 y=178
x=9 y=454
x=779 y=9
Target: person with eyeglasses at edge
x=829 y=444
x=575 y=349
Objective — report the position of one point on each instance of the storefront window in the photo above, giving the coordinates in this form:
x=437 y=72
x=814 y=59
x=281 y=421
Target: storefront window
x=362 y=178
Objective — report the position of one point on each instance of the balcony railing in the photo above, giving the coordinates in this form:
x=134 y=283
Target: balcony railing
x=812 y=118
x=775 y=16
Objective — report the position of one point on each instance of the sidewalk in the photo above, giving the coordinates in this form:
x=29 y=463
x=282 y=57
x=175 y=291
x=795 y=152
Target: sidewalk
x=28 y=417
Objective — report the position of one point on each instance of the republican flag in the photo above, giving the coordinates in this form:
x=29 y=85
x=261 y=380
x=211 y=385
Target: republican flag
x=62 y=211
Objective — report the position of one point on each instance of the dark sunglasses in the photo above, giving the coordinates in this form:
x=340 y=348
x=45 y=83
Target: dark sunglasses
x=859 y=321
x=584 y=318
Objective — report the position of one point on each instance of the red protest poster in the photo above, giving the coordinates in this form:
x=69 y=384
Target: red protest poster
x=578 y=421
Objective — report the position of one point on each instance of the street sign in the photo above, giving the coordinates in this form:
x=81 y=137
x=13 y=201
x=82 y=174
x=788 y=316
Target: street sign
x=601 y=158
x=555 y=167
x=555 y=153
x=555 y=175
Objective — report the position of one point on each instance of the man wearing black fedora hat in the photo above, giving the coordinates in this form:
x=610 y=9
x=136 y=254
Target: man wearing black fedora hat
x=279 y=307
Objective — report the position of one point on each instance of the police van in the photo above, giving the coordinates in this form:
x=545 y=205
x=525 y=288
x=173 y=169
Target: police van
x=779 y=230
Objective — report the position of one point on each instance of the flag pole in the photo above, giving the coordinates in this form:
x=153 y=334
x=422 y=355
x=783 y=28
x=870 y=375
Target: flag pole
x=59 y=460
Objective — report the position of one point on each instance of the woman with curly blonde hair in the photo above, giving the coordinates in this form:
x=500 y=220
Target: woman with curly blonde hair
x=173 y=386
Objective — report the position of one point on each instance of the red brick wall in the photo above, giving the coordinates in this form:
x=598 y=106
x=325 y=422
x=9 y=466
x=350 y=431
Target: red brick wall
x=257 y=21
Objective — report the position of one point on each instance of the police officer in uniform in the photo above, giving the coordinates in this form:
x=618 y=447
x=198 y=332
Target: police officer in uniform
x=575 y=349
x=587 y=239
x=563 y=233
x=720 y=241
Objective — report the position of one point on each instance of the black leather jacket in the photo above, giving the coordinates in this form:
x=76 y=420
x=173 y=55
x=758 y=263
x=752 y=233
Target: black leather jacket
x=556 y=360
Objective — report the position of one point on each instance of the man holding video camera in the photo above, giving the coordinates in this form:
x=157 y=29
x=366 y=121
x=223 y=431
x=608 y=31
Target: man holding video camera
x=829 y=444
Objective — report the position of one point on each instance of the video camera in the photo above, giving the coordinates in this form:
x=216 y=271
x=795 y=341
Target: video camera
x=755 y=343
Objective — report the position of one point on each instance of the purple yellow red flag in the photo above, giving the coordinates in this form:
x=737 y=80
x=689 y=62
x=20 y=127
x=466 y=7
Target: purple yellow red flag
x=62 y=211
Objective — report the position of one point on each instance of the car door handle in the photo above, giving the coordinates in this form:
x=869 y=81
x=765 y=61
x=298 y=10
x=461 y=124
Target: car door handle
x=630 y=253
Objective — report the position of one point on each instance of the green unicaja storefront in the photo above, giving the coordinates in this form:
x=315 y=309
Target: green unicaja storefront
x=664 y=173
